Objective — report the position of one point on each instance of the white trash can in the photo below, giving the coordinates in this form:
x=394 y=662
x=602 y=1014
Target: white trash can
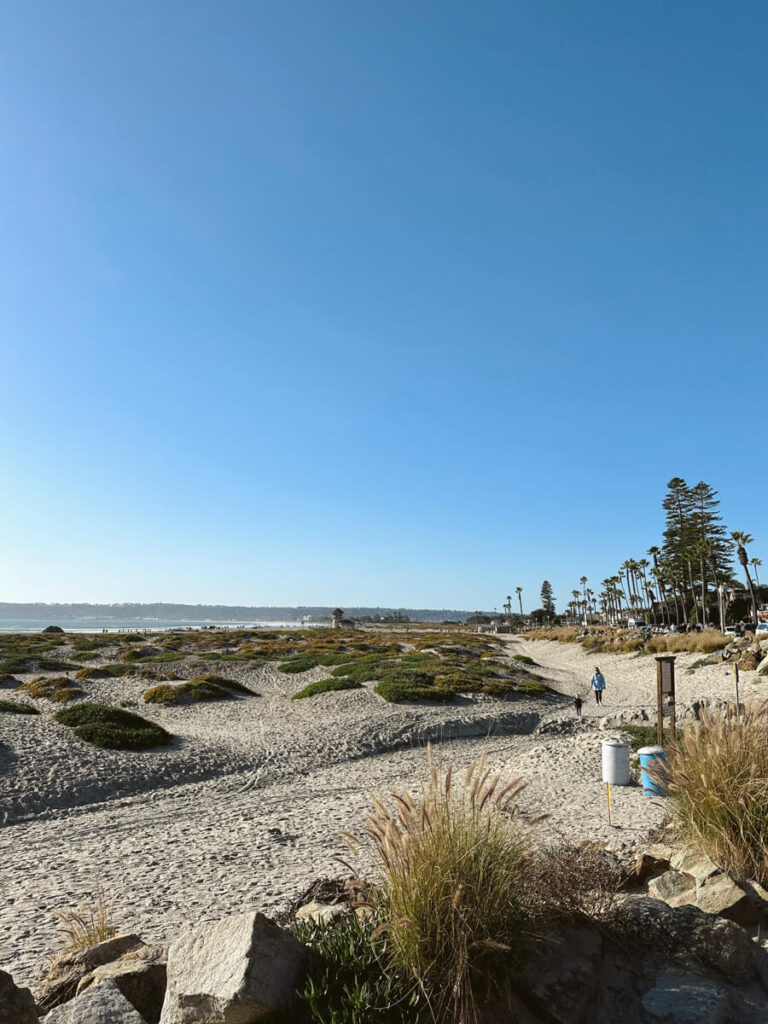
x=616 y=762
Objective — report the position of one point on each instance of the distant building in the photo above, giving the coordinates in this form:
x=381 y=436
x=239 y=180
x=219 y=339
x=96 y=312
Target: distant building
x=337 y=618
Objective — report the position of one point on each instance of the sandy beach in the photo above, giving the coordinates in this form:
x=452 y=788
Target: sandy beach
x=247 y=807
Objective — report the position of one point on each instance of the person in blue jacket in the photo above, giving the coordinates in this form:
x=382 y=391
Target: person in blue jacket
x=597 y=682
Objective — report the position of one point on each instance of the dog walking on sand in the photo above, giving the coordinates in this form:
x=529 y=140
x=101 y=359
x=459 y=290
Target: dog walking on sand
x=597 y=682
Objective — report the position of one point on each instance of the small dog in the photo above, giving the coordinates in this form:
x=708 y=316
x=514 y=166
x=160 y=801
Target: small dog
x=577 y=703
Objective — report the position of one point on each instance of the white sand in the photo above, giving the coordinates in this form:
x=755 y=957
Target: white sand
x=247 y=808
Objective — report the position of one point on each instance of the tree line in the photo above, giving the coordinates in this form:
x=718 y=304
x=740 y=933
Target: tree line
x=688 y=579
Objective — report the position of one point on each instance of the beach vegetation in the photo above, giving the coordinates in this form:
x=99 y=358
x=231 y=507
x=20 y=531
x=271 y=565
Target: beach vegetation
x=326 y=686
x=56 y=688
x=201 y=688
x=641 y=735
x=113 y=728
x=87 y=926
x=91 y=672
x=32 y=663
x=352 y=978
x=118 y=670
x=453 y=864
x=719 y=789
x=15 y=707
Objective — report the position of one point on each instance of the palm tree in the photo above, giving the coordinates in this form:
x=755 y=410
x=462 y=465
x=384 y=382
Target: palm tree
x=742 y=539
x=583 y=582
x=519 y=592
x=755 y=563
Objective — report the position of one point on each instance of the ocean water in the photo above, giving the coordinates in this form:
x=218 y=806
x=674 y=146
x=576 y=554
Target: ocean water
x=138 y=625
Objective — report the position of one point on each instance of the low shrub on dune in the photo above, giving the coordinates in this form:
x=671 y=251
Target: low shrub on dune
x=56 y=688
x=201 y=688
x=15 y=707
x=326 y=686
x=113 y=728
x=91 y=672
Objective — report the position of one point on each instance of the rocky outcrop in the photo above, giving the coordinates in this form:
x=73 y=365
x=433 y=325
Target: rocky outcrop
x=101 y=1004
x=66 y=972
x=16 y=1004
x=698 y=940
x=238 y=970
x=141 y=977
x=671 y=966
x=695 y=879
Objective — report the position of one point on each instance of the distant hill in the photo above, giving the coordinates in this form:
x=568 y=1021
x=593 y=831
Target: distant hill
x=206 y=612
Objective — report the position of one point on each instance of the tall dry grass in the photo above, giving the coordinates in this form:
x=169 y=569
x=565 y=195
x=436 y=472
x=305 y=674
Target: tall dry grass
x=719 y=784
x=454 y=867
x=88 y=924
x=616 y=640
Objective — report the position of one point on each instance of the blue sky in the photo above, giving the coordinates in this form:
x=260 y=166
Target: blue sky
x=402 y=304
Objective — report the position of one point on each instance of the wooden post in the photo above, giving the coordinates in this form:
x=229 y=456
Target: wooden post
x=665 y=692
x=736 y=679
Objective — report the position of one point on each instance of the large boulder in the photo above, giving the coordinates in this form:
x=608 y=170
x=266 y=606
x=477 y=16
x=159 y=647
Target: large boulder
x=141 y=977
x=67 y=971
x=700 y=938
x=562 y=974
x=721 y=895
x=234 y=972
x=762 y=667
x=697 y=865
x=101 y=1004
x=674 y=887
x=686 y=999
x=16 y=1004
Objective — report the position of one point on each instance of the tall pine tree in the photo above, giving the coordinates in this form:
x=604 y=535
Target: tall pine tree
x=548 y=599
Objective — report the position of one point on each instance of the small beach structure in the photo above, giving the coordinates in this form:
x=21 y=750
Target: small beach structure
x=337 y=617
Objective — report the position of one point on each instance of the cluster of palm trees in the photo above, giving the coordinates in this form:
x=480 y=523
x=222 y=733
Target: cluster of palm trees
x=508 y=604
x=658 y=589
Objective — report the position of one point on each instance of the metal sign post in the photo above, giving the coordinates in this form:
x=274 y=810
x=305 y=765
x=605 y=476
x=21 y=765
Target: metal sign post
x=665 y=695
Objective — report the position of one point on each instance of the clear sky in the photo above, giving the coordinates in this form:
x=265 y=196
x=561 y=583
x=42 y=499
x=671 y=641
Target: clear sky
x=403 y=303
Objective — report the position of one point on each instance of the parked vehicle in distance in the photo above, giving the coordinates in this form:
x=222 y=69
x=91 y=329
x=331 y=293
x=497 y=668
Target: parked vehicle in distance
x=762 y=627
x=730 y=631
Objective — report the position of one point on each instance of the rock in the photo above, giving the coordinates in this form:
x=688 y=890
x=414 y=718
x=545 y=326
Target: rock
x=688 y=1000
x=53 y=629
x=141 y=977
x=562 y=974
x=748 y=661
x=762 y=668
x=702 y=938
x=695 y=864
x=101 y=1004
x=16 y=1004
x=647 y=866
x=66 y=972
x=674 y=887
x=234 y=972
x=719 y=894
x=321 y=913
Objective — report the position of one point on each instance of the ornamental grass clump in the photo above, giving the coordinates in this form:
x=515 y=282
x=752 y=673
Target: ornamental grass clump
x=452 y=897
x=88 y=925
x=719 y=784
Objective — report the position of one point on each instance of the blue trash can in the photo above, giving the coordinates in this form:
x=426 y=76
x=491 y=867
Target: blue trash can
x=653 y=759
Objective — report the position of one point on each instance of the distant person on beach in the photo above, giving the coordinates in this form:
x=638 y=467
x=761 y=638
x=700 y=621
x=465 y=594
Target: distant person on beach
x=597 y=682
x=577 y=703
